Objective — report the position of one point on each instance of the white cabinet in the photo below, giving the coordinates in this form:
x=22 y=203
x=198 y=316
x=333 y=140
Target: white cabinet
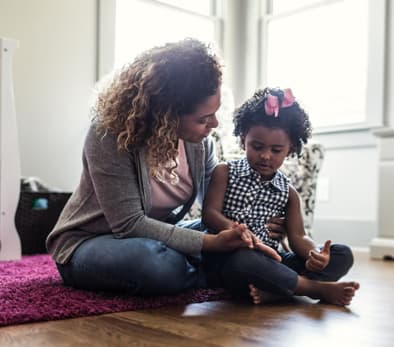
x=10 y=247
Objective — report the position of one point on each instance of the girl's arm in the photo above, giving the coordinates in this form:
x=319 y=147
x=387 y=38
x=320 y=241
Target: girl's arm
x=315 y=259
x=212 y=216
x=299 y=242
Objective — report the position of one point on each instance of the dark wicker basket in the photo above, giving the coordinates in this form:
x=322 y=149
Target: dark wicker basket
x=36 y=215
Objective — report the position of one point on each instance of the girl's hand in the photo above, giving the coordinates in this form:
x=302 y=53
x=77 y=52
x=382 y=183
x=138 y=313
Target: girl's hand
x=318 y=260
x=260 y=246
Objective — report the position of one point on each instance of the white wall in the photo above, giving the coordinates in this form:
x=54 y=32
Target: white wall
x=346 y=206
x=54 y=72
x=390 y=66
x=351 y=214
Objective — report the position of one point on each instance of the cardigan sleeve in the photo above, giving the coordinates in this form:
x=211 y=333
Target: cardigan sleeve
x=210 y=162
x=116 y=183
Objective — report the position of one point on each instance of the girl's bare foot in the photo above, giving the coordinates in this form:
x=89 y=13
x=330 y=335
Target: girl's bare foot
x=262 y=297
x=336 y=293
x=339 y=293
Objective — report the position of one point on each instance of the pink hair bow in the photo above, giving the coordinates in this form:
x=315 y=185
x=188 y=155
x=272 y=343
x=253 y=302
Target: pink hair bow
x=271 y=105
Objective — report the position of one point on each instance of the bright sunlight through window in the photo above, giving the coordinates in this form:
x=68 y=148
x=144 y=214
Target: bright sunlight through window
x=321 y=52
x=143 y=24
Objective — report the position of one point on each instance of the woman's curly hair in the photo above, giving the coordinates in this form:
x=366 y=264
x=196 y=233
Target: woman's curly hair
x=293 y=120
x=144 y=100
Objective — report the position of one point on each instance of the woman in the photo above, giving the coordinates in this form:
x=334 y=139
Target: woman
x=146 y=157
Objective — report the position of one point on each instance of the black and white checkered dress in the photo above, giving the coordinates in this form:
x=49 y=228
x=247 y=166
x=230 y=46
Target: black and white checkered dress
x=252 y=201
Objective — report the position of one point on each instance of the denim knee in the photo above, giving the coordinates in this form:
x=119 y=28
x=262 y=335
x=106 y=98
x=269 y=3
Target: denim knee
x=167 y=272
x=242 y=260
x=343 y=257
x=138 y=266
x=341 y=260
x=246 y=266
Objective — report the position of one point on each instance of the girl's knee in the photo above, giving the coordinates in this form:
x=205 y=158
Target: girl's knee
x=247 y=266
x=244 y=264
x=239 y=260
x=247 y=260
x=344 y=253
x=340 y=263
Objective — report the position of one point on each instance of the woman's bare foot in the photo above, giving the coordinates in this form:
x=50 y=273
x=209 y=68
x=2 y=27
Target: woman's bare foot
x=336 y=293
x=262 y=297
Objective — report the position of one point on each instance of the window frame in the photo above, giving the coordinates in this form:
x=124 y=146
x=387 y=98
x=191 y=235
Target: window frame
x=106 y=31
x=375 y=93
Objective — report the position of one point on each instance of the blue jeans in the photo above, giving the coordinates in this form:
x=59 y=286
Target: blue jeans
x=143 y=266
x=137 y=266
x=236 y=270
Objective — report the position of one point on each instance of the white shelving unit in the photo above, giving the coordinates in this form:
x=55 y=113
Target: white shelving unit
x=382 y=246
x=10 y=173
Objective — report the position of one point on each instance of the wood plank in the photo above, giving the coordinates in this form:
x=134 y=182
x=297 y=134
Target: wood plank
x=299 y=322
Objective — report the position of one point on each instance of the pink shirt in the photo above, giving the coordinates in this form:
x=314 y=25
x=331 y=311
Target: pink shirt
x=167 y=196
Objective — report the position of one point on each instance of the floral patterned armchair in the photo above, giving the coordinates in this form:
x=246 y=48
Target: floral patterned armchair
x=303 y=173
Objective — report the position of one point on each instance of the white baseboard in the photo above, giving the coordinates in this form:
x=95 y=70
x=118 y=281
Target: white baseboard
x=382 y=248
x=360 y=249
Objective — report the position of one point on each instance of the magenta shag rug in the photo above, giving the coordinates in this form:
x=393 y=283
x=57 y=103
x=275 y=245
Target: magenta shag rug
x=31 y=290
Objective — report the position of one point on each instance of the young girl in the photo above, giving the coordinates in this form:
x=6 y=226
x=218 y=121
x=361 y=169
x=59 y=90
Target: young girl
x=249 y=191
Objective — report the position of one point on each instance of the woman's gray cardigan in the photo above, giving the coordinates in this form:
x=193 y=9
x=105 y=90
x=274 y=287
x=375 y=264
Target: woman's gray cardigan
x=113 y=196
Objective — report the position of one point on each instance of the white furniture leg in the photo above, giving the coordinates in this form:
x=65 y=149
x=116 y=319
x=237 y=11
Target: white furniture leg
x=382 y=246
x=10 y=247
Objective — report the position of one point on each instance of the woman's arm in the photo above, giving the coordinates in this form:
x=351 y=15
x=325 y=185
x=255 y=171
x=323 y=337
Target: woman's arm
x=212 y=216
x=113 y=184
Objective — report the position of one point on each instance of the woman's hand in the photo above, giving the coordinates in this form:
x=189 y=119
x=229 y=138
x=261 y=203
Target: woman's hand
x=318 y=260
x=276 y=228
x=237 y=236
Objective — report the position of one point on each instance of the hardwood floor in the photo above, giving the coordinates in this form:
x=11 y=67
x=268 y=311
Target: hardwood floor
x=368 y=321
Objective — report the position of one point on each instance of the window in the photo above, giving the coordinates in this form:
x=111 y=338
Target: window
x=143 y=24
x=331 y=54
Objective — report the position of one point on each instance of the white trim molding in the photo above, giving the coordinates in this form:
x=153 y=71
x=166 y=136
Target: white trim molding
x=10 y=171
x=383 y=245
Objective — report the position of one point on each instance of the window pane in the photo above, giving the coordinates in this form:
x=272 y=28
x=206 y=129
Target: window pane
x=322 y=54
x=165 y=25
x=287 y=5
x=199 y=6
